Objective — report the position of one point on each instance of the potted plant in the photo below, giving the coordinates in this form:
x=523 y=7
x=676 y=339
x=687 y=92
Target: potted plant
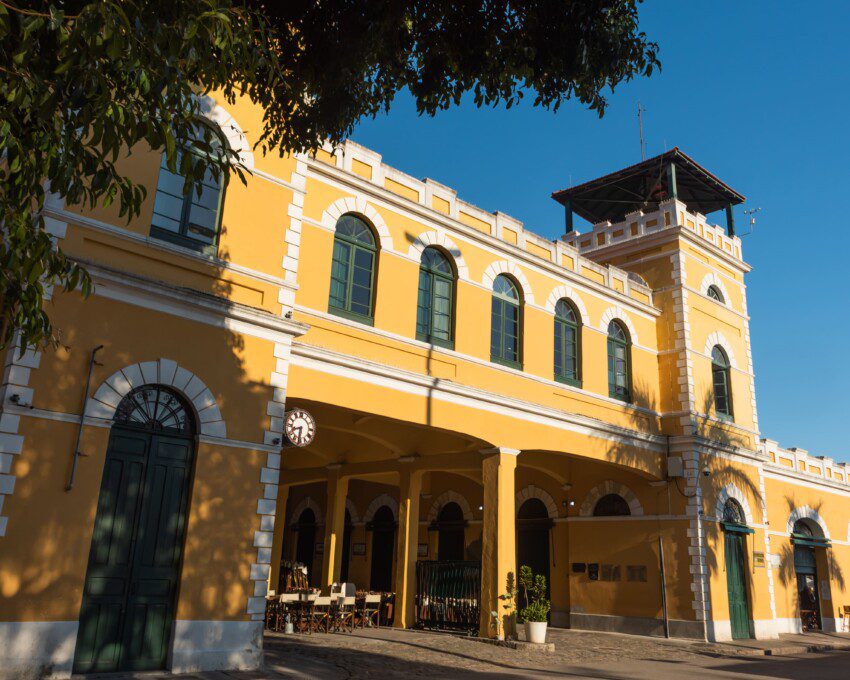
x=535 y=614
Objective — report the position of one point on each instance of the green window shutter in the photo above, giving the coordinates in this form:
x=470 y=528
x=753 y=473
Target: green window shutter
x=339 y=274
x=442 y=309
x=352 y=271
x=423 y=306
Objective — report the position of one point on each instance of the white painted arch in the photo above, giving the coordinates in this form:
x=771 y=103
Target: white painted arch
x=570 y=294
x=377 y=502
x=619 y=314
x=806 y=512
x=712 y=279
x=733 y=492
x=359 y=205
x=532 y=491
x=607 y=487
x=233 y=132
x=159 y=372
x=439 y=239
x=509 y=268
x=308 y=503
x=449 y=497
x=352 y=510
x=717 y=338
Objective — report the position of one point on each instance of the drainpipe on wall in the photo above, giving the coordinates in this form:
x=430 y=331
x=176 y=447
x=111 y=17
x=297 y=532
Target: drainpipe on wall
x=77 y=452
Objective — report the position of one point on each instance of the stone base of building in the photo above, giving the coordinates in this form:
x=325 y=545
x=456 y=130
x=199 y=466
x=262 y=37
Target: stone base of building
x=637 y=625
x=45 y=649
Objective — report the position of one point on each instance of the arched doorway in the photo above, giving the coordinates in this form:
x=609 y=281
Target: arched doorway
x=383 y=527
x=735 y=530
x=134 y=563
x=305 y=540
x=346 y=548
x=807 y=537
x=450 y=527
x=533 y=525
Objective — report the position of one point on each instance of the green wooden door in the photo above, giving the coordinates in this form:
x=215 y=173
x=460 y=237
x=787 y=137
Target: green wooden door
x=739 y=610
x=134 y=562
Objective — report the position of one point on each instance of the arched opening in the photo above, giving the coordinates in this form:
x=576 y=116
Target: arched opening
x=450 y=526
x=721 y=378
x=715 y=294
x=611 y=505
x=305 y=541
x=506 y=323
x=353 y=269
x=435 y=301
x=346 y=548
x=619 y=362
x=533 y=528
x=382 y=526
x=567 y=343
x=808 y=539
x=133 y=572
x=735 y=531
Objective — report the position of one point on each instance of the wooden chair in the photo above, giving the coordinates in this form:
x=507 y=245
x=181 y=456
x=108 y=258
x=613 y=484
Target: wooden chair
x=322 y=613
x=345 y=613
x=371 y=612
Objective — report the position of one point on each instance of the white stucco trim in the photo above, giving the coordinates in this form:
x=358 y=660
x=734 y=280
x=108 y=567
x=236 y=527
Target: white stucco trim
x=805 y=512
x=439 y=239
x=619 y=314
x=352 y=510
x=732 y=491
x=712 y=279
x=505 y=267
x=159 y=372
x=449 y=497
x=607 y=487
x=377 y=502
x=532 y=491
x=717 y=338
x=306 y=503
x=350 y=204
x=236 y=138
x=570 y=294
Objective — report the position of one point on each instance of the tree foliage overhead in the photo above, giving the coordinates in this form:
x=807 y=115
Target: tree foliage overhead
x=83 y=81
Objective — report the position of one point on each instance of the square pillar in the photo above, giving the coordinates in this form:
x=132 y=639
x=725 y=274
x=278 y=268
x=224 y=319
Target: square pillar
x=334 y=526
x=409 y=491
x=277 y=538
x=498 y=538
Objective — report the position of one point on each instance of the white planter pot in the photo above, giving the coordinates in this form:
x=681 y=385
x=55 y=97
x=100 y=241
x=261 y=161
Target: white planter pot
x=535 y=631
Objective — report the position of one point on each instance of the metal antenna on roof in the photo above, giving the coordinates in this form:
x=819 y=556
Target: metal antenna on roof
x=752 y=215
x=641 y=110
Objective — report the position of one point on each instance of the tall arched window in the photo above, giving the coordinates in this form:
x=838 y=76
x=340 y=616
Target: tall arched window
x=611 y=505
x=619 y=362
x=353 y=269
x=714 y=293
x=435 y=305
x=733 y=513
x=505 y=323
x=190 y=215
x=567 y=343
x=720 y=375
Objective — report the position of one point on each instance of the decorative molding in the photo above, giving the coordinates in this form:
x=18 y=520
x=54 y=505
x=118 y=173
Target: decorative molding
x=377 y=503
x=350 y=204
x=712 y=279
x=717 y=338
x=805 y=512
x=505 y=267
x=608 y=487
x=352 y=510
x=619 y=314
x=236 y=139
x=159 y=372
x=532 y=491
x=733 y=492
x=307 y=503
x=570 y=294
x=439 y=238
x=449 y=497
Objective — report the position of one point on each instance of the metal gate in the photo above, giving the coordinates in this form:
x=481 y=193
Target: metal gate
x=448 y=595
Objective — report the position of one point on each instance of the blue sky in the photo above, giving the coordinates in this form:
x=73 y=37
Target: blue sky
x=759 y=93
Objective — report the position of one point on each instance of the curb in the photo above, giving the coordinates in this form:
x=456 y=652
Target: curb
x=784 y=650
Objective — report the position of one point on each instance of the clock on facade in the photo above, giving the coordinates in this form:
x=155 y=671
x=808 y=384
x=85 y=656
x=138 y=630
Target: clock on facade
x=299 y=427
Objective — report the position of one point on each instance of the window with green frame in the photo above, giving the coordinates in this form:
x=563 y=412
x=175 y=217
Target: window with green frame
x=435 y=304
x=353 y=270
x=567 y=343
x=188 y=215
x=505 y=323
x=619 y=362
x=721 y=379
x=714 y=293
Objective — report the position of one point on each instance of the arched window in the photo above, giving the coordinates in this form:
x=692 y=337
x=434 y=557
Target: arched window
x=434 y=307
x=720 y=374
x=803 y=528
x=450 y=526
x=619 y=362
x=190 y=215
x=611 y=505
x=505 y=323
x=714 y=293
x=733 y=512
x=567 y=343
x=353 y=269
x=153 y=407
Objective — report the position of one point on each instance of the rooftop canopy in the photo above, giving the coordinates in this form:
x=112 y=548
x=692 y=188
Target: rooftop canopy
x=672 y=174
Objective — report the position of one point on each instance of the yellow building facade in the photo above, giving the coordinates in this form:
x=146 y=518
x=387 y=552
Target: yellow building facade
x=480 y=395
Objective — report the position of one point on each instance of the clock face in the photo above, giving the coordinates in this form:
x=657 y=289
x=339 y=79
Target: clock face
x=299 y=427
